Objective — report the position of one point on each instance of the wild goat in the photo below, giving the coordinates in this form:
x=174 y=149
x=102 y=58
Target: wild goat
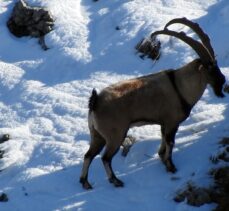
x=165 y=98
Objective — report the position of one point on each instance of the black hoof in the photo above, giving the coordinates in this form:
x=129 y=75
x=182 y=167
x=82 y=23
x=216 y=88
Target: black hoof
x=85 y=184
x=161 y=155
x=171 y=169
x=116 y=182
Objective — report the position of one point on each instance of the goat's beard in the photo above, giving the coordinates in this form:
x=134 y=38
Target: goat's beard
x=218 y=91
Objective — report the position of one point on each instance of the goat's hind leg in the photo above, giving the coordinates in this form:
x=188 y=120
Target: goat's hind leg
x=97 y=144
x=111 y=150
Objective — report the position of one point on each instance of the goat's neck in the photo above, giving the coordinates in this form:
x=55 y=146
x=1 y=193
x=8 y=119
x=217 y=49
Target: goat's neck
x=191 y=81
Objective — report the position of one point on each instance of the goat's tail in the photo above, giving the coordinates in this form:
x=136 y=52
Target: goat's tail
x=93 y=100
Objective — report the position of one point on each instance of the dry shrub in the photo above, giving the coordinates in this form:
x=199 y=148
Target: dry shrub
x=149 y=47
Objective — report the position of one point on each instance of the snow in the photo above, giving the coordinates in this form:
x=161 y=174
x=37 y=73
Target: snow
x=44 y=97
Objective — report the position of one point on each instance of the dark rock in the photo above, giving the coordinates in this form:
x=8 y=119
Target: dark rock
x=117 y=28
x=4 y=138
x=30 y=21
x=3 y=197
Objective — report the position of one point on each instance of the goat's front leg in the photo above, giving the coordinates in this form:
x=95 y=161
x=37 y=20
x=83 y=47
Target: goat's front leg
x=161 y=151
x=165 y=151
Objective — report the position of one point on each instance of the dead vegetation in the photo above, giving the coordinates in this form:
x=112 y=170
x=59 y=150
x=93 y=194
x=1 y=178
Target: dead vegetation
x=219 y=192
x=195 y=196
x=4 y=138
x=149 y=47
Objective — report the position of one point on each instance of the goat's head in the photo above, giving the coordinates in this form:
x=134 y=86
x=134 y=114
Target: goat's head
x=204 y=49
x=216 y=79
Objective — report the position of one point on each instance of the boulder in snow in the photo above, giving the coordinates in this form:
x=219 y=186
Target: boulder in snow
x=30 y=21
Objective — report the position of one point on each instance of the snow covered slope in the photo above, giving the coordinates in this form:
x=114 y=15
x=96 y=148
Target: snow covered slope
x=44 y=96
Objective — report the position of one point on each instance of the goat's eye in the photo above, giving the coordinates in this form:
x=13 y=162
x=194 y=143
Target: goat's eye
x=213 y=68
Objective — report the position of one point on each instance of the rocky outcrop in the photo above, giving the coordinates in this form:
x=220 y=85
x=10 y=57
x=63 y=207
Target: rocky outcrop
x=30 y=21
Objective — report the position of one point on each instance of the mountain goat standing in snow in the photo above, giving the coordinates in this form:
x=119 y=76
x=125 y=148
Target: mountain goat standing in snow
x=165 y=98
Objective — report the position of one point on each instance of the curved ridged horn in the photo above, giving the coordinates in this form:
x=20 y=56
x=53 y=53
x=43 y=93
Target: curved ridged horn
x=197 y=29
x=197 y=46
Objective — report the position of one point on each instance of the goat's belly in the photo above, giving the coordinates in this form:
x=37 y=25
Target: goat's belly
x=142 y=123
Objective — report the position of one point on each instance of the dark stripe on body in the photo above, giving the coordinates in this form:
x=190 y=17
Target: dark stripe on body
x=185 y=105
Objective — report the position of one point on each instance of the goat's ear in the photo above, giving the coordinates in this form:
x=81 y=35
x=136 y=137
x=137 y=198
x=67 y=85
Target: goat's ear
x=213 y=66
x=202 y=68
